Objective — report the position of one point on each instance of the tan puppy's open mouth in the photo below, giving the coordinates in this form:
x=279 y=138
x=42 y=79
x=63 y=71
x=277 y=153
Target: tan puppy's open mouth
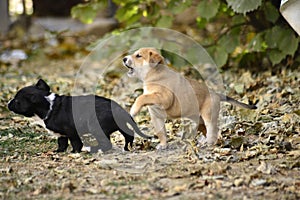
x=130 y=70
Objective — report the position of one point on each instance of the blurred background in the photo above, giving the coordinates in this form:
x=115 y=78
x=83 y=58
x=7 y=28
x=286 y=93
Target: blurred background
x=251 y=35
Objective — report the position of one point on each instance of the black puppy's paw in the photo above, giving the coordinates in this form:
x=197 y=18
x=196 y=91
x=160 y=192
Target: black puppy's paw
x=76 y=151
x=60 y=150
x=77 y=145
x=62 y=144
x=128 y=146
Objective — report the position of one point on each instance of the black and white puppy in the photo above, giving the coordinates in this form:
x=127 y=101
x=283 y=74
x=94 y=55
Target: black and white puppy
x=74 y=116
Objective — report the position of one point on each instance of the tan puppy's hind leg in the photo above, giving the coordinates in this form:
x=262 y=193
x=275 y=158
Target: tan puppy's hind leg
x=191 y=132
x=201 y=127
x=210 y=117
x=158 y=118
x=212 y=133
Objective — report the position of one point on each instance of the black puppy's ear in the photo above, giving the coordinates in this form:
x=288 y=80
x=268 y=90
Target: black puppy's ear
x=42 y=85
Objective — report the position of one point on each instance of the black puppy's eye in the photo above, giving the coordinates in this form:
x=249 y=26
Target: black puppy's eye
x=17 y=102
x=138 y=56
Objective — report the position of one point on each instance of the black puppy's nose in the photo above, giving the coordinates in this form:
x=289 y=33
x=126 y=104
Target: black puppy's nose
x=124 y=59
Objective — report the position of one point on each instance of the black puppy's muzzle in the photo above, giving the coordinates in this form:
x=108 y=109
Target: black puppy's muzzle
x=15 y=106
x=10 y=105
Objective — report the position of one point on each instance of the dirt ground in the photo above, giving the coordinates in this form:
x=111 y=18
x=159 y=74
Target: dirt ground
x=258 y=156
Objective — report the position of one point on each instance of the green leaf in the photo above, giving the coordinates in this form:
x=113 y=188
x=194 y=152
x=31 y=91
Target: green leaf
x=281 y=42
x=230 y=41
x=219 y=55
x=289 y=43
x=276 y=56
x=238 y=19
x=271 y=12
x=122 y=2
x=282 y=39
x=244 y=6
x=177 y=7
x=257 y=44
x=86 y=13
x=128 y=12
x=273 y=36
x=133 y=19
x=201 y=22
x=165 y=21
x=208 y=8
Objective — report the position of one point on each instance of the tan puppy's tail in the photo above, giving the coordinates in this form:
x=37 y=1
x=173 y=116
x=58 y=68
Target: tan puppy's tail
x=235 y=102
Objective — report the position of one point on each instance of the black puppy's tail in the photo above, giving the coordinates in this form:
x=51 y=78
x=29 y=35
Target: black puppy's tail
x=137 y=130
x=235 y=102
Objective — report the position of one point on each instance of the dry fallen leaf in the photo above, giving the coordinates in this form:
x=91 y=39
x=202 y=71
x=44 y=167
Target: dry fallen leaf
x=266 y=168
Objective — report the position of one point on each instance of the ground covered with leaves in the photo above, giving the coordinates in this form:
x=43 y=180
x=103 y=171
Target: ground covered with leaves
x=258 y=156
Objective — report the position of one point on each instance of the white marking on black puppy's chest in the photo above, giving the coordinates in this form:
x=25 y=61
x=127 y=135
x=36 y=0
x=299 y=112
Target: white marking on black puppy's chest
x=50 y=99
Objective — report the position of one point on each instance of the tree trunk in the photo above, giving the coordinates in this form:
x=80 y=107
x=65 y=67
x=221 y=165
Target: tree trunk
x=4 y=17
x=61 y=8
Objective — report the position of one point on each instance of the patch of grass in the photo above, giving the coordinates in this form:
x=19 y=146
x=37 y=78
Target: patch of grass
x=117 y=184
x=126 y=196
x=17 y=141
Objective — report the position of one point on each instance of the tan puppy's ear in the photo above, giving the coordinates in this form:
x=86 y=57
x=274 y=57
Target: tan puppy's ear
x=155 y=59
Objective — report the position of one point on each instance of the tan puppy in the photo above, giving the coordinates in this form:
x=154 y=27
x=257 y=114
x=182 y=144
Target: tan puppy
x=169 y=94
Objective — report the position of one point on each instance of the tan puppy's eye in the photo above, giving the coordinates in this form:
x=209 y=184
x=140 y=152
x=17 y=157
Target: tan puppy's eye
x=138 y=56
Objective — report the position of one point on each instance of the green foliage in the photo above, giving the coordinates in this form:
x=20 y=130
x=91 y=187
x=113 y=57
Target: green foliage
x=208 y=9
x=242 y=29
x=219 y=54
x=128 y=13
x=164 y=21
x=271 y=13
x=281 y=43
x=87 y=12
x=243 y=6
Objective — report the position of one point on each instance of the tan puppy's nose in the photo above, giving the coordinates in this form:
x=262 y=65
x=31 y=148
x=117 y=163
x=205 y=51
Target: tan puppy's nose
x=127 y=61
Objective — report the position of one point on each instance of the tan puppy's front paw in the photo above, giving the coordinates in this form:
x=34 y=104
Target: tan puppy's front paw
x=161 y=146
x=202 y=140
x=211 y=141
x=134 y=110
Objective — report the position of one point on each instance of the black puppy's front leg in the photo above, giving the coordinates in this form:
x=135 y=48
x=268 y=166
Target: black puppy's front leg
x=62 y=144
x=76 y=143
